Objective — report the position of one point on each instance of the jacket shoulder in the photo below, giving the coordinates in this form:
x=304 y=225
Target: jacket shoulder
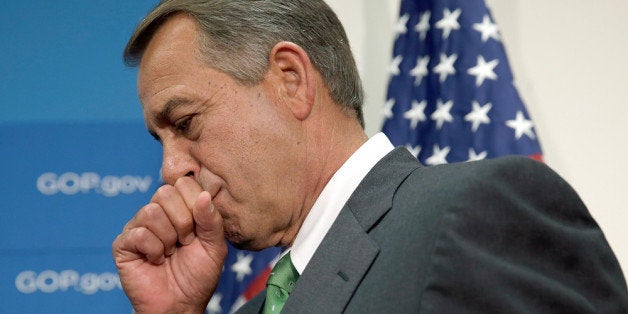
x=511 y=236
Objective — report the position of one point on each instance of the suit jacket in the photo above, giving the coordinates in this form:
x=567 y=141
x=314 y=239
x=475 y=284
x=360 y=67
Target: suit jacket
x=500 y=236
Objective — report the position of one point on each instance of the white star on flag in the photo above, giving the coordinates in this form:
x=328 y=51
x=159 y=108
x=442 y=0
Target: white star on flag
x=393 y=68
x=487 y=28
x=416 y=114
x=473 y=156
x=243 y=266
x=439 y=156
x=454 y=61
x=483 y=70
x=521 y=126
x=442 y=115
x=420 y=70
x=449 y=22
x=387 y=110
x=414 y=150
x=446 y=66
x=400 y=27
x=478 y=115
x=213 y=307
x=424 y=25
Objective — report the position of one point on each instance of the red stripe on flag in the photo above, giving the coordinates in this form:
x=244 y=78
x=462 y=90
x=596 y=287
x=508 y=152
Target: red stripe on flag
x=537 y=157
x=257 y=285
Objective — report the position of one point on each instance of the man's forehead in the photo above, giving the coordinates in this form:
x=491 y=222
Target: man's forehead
x=175 y=30
x=171 y=105
x=169 y=53
x=173 y=41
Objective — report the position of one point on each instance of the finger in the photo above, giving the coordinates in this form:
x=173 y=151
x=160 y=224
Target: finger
x=138 y=243
x=179 y=214
x=189 y=189
x=154 y=218
x=208 y=221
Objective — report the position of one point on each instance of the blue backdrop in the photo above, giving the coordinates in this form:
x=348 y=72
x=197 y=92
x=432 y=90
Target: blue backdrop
x=76 y=159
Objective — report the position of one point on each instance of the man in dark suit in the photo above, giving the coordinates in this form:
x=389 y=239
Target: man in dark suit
x=258 y=107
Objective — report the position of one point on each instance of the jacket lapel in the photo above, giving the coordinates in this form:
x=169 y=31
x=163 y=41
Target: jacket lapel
x=346 y=253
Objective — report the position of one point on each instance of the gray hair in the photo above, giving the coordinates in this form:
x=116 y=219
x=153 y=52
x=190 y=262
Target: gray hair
x=238 y=36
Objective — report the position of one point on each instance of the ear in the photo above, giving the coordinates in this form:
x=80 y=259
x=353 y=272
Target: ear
x=294 y=77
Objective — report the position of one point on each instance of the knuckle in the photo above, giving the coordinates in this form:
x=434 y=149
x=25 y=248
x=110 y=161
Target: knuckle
x=152 y=211
x=130 y=238
x=130 y=224
x=186 y=186
x=138 y=234
x=184 y=222
x=145 y=215
x=183 y=181
x=164 y=192
x=117 y=242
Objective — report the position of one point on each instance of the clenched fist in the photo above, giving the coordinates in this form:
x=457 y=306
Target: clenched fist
x=170 y=255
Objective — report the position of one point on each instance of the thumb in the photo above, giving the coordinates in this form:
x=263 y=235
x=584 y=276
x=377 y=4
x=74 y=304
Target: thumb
x=208 y=221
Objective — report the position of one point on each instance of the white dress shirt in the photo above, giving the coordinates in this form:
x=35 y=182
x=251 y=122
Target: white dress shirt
x=334 y=196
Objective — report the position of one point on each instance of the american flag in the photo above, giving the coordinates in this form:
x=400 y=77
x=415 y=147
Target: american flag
x=451 y=95
x=243 y=276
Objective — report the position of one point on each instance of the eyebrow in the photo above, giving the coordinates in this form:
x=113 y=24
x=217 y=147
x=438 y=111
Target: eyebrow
x=163 y=115
x=170 y=106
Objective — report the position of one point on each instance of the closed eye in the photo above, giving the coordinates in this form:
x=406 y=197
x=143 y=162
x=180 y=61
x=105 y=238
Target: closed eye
x=183 y=125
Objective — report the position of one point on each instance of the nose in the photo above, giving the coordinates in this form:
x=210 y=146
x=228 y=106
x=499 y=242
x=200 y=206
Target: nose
x=177 y=162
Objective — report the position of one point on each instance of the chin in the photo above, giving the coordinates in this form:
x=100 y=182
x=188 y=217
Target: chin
x=243 y=246
x=242 y=243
